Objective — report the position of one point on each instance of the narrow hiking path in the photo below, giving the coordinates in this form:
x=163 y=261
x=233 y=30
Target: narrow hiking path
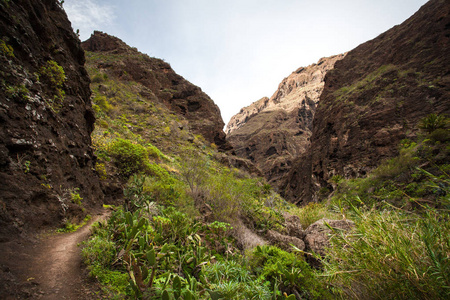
x=51 y=267
x=57 y=266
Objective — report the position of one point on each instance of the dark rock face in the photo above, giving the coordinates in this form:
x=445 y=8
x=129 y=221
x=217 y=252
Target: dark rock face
x=179 y=95
x=272 y=132
x=45 y=145
x=374 y=98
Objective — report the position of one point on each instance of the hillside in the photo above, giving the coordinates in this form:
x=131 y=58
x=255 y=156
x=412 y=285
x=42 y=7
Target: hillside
x=176 y=190
x=374 y=98
x=159 y=83
x=272 y=132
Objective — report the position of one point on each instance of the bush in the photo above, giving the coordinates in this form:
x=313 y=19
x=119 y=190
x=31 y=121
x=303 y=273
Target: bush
x=99 y=253
x=231 y=280
x=311 y=213
x=6 y=49
x=129 y=158
x=288 y=270
x=98 y=78
x=155 y=152
x=399 y=164
x=432 y=122
x=53 y=75
x=102 y=103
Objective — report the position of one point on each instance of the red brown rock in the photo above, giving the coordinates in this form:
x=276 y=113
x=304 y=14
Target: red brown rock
x=272 y=132
x=374 y=98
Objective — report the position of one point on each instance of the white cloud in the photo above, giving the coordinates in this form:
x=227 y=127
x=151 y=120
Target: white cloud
x=89 y=15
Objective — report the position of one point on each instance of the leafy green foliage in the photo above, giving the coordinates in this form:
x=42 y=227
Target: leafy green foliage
x=433 y=122
x=129 y=157
x=54 y=76
x=5 y=49
x=232 y=280
x=102 y=103
x=288 y=270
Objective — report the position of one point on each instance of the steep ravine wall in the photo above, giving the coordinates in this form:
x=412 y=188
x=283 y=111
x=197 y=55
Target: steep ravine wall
x=45 y=121
x=374 y=98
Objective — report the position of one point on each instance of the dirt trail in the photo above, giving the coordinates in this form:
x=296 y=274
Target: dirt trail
x=52 y=267
x=57 y=265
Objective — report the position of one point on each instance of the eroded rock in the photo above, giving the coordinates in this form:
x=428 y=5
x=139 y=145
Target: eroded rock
x=271 y=132
x=285 y=242
x=317 y=234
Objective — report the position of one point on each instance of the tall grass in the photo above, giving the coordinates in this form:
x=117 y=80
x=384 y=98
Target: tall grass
x=393 y=254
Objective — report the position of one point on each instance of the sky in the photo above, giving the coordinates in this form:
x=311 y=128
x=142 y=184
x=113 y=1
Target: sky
x=238 y=51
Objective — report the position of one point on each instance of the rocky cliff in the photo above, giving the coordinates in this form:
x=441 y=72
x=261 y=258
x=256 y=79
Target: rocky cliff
x=46 y=160
x=162 y=84
x=272 y=132
x=374 y=98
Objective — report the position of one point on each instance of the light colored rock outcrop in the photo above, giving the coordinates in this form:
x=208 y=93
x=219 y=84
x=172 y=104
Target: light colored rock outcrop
x=271 y=132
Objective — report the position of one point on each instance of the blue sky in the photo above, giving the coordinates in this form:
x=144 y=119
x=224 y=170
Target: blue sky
x=238 y=51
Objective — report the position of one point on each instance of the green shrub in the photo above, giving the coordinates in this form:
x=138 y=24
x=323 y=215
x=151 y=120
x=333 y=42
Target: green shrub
x=441 y=135
x=53 y=75
x=98 y=78
x=155 y=152
x=129 y=158
x=312 y=212
x=289 y=270
x=6 y=49
x=432 y=122
x=399 y=164
x=232 y=280
x=75 y=196
x=99 y=253
x=19 y=92
x=102 y=102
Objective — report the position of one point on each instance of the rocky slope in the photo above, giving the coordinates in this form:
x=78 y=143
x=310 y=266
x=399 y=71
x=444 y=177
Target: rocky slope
x=272 y=132
x=374 y=98
x=46 y=118
x=162 y=85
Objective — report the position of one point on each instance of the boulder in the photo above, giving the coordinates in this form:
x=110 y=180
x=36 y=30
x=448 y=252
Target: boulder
x=285 y=242
x=317 y=235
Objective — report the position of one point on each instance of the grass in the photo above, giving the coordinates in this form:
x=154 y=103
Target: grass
x=71 y=227
x=401 y=242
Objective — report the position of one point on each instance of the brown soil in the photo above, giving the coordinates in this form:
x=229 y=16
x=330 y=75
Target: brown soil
x=48 y=268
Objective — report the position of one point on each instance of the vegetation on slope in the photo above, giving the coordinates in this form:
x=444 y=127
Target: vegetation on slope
x=182 y=226
x=400 y=247
x=180 y=233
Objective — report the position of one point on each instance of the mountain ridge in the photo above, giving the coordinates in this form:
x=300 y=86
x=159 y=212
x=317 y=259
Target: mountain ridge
x=181 y=96
x=271 y=132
